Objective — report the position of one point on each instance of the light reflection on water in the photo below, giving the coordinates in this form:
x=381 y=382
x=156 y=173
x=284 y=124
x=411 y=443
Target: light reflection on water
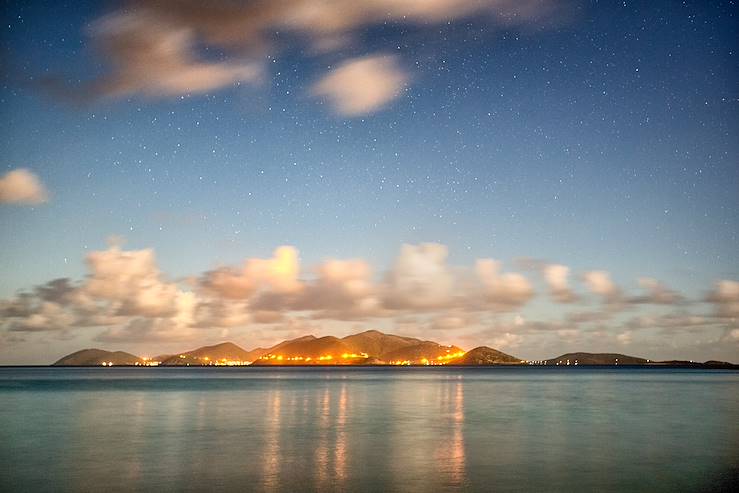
x=367 y=430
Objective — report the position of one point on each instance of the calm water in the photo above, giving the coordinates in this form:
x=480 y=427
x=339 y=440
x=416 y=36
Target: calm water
x=438 y=429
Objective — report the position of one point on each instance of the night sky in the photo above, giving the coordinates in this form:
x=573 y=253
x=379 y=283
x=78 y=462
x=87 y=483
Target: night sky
x=540 y=177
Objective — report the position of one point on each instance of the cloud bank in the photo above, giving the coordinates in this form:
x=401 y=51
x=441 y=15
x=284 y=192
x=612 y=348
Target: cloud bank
x=126 y=298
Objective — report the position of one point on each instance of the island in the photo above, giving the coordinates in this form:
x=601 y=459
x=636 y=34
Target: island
x=368 y=348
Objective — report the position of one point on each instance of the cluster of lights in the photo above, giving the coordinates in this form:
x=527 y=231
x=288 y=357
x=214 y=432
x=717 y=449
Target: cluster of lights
x=148 y=362
x=224 y=362
x=326 y=358
x=230 y=362
x=439 y=360
x=347 y=357
x=561 y=362
x=145 y=362
x=308 y=359
x=450 y=356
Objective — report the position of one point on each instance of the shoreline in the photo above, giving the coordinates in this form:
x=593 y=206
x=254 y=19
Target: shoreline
x=653 y=366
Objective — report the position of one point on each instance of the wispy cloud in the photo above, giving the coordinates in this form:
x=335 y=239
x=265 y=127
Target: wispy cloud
x=161 y=49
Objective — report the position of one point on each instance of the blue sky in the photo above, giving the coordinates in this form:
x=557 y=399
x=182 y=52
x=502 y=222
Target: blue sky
x=597 y=136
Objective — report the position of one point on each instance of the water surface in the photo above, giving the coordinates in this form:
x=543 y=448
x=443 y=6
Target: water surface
x=368 y=429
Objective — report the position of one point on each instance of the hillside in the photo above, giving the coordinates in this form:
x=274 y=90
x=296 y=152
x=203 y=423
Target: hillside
x=223 y=353
x=308 y=350
x=369 y=347
x=377 y=343
x=423 y=352
x=596 y=359
x=96 y=357
x=484 y=355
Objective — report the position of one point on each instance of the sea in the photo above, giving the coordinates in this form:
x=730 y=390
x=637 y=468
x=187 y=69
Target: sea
x=434 y=429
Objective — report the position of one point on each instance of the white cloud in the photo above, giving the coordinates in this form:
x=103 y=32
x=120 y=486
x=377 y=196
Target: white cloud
x=726 y=297
x=278 y=274
x=556 y=277
x=21 y=186
x=503 y=290
x=506 y=341
x=132 y=281
x=420 y=278
x=599 y=282
x=362 y=85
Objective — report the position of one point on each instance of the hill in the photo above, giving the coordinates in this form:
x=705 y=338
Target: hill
x=377 y=343
x=369 y=347
x=484 y=355
x=96 y=357
x=596 y=359
x=308 y=350
x=223 y=353
x=423 y=352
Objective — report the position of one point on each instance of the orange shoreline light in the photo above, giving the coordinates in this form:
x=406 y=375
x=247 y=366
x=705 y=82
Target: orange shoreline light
x=330 y=359
x=324 y=359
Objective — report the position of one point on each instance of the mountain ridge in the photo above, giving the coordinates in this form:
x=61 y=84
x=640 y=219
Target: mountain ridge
x=370 y=347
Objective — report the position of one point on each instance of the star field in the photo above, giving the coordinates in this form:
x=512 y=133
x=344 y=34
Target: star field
x=601 y=136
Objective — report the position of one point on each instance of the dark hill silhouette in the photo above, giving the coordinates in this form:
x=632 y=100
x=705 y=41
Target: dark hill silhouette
x=597 y=359
x=225 y=351
x=96 y=357
x=484 y=355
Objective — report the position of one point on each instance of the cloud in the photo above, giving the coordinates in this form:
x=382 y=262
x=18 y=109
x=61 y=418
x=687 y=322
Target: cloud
x=278 y=274
x=725 y=296
x=176 y=327
x=556 y=276
x=656 y=293
x=21 y=186
x=154 y=57
x=224 y=313
x=362 y=85
x=125 y=297
x=420 y=278
x=507 y=290
x=343 y=289
x=131 y=281
x=669 y=321
x=453 y=321
x=624 y=338
x=45 y=316
x=164 y=49
x=506 y=341
x=599 y=282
